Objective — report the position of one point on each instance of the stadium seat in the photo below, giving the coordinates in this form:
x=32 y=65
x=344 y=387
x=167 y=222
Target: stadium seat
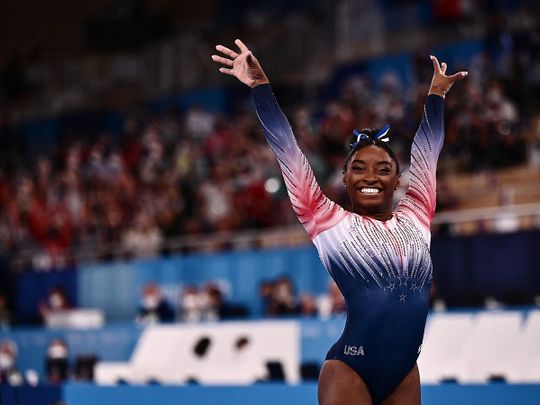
x=524 y=366
x=489 y=346
x=444 y=339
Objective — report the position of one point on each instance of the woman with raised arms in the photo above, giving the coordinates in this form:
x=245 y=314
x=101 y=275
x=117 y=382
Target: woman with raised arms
x=379 y=257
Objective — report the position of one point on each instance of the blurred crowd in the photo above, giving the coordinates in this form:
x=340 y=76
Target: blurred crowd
x=156 y=305
x=191 y=303
x=57 y=362
x=195 y=172
x=210 y=302
x=199 y=172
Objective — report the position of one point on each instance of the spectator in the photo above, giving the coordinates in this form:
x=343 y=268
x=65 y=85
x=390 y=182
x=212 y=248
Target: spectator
x=215 y=195
x=284 y=301
x=154 y=307
x=308 y=305
x=215 y=305
x=266 y=290
x=192 y=305
x=57 y=301
x=197 y=174
x=8 y=364
x=57 y=361
x=199 y=123
x=218 y=308
x=331 y=303
x=144 y=238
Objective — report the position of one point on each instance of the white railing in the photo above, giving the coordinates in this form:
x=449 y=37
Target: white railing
x=511 y=218
x=489 y=214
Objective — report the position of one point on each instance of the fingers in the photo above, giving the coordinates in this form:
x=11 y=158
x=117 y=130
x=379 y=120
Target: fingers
x=442 y=70
x=227 y=51
x=222 y=60
x=226 y=71
x=251 y=59
x=436 y=66
x=458 y=76
x=241 y=45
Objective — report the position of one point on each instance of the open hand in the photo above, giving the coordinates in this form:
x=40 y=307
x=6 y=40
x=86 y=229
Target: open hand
x=244 y=66
x=440 y=83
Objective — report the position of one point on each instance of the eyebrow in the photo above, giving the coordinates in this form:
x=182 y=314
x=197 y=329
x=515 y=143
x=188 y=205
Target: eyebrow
x=381 y=162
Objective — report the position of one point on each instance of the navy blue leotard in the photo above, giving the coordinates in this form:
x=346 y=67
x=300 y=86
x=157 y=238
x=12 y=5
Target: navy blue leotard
x=383 y=268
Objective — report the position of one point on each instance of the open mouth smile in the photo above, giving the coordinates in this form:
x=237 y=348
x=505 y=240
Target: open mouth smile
x=369 y=190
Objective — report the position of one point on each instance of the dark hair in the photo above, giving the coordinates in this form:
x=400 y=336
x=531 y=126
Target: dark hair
x=370 y=141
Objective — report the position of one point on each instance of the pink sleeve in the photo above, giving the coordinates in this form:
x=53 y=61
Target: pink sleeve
x=314 y=210
x=419 y=200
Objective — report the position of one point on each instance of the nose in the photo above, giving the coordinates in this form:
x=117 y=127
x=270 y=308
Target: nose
x=370 y=182
x=370 y=177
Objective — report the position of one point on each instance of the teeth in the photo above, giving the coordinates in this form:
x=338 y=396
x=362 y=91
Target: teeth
x=369 y=190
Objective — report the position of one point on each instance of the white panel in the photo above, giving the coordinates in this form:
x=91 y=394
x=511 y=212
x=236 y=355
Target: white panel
x=524 y=365
x=165 y=353
x=490 y=346
x=444 y=340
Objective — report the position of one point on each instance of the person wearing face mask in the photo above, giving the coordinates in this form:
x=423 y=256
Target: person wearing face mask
x=57 y=361
x=284 y=301
x=154 y=308
x=9 y=373
x=377 y=255
x=57 y=301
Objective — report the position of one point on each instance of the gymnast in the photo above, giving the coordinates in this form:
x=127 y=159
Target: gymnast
x=378 y=257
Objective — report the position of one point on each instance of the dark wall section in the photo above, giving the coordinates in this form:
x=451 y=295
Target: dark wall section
x=503 y=266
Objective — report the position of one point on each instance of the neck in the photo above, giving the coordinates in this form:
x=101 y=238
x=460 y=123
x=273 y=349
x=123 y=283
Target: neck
x=384 y=215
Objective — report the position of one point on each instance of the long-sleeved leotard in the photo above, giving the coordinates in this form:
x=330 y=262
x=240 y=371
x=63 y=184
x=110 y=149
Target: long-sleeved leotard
x=383 y=268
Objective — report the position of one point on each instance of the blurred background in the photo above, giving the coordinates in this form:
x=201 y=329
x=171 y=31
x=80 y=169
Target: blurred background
x=148 y=250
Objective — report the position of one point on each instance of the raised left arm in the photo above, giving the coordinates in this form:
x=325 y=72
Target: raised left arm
x=419 y=200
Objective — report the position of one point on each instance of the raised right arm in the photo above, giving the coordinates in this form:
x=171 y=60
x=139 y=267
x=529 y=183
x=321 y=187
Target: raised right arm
x=419 y=201
x=315 y=211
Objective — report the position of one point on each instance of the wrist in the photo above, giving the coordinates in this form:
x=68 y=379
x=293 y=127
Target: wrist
x=258 y=82
x=437 y=91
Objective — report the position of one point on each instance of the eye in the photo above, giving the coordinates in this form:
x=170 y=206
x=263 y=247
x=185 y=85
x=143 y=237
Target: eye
x=357 y=168
x=384 y=171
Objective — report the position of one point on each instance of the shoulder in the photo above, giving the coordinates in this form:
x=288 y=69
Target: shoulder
x=416 y=223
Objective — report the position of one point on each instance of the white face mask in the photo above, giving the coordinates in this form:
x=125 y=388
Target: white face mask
x=56 y=301
x=190 y=302
x=6 y=361
x=283 y=292
x=150 y=302
x=57 y=352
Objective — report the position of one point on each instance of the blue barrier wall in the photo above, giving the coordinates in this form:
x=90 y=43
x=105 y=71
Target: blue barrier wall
x=116 y=287
x=272 y=394
x=25 y=395
x=79 y=394
x=466 y=270
x=33 y=288
x=116 y=343
x=264 y=394
x=113 y=343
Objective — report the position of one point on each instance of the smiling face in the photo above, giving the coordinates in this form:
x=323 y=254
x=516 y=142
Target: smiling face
x=371 y=177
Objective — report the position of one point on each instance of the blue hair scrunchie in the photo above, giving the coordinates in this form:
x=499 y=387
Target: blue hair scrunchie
x=382 y=136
